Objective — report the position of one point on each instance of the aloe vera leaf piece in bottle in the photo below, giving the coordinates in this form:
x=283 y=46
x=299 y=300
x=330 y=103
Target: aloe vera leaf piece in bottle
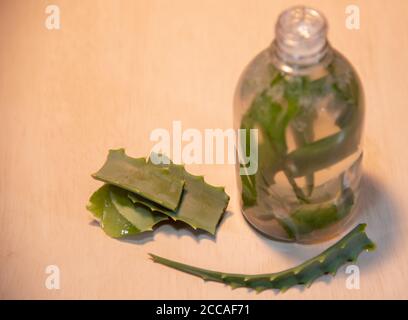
x=313 y=217
x=327 y=151
x=328 y=262
x=272 y=119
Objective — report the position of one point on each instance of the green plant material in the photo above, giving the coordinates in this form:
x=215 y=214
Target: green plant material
x=328 y=262
x=325 y=152
x=297 y=110
x=201 y=206
x=301 y=139
x=97 y=201
x=249 y=192
x=272 y=120
x=152 y=182
x=118 y=216
x=306 y=116
x=311 y=217
x=304 y=93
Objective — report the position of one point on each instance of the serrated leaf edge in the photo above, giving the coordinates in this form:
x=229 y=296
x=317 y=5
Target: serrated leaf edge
x=271 y=281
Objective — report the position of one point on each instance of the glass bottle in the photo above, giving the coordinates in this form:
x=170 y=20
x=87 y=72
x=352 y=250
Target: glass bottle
x=305 y=101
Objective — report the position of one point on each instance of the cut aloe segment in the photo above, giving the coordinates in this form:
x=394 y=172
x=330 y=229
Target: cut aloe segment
x=152 y=182
x=118 y=216
x=201 y=206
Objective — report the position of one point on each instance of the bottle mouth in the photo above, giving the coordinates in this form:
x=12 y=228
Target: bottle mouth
x=300 y=38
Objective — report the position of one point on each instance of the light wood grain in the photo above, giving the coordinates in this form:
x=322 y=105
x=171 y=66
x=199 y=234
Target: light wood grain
x=117 y=70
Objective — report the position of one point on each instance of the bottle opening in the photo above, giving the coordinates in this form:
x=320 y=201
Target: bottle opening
x=301 y=38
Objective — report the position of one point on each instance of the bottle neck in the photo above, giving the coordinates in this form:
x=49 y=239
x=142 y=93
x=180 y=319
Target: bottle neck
x=301 y=41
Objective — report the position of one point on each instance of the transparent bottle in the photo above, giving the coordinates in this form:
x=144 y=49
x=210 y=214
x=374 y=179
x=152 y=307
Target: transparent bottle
x=306 y=102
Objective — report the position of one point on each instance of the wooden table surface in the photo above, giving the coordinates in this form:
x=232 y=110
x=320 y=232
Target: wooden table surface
x=116 y=70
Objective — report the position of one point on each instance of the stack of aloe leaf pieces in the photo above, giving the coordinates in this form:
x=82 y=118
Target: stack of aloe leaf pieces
x=139 y=194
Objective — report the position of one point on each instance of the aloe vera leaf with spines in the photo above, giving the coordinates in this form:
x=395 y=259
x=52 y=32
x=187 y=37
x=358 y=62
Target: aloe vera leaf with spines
x=140 y=216
x=313 y=217
x=305 y=94
x=324 y=152
x=201 y=206
x=249 y=193
x=302 y=138
x=146 y=179
x=272 y=119
x=327 y=151
x=118 y=216
x=328 y=262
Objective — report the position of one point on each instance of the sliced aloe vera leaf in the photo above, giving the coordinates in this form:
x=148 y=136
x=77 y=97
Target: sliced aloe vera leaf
x=118 y=216
x=138 y=215
x=311 y=217
x=305 y=136
x=324 y=153
x=302 y=138
x=155 y=183
x=114 y=224
x=97 y=201
x=201 y=206
x=271 y=119
x=328 y=262
x=136 y=199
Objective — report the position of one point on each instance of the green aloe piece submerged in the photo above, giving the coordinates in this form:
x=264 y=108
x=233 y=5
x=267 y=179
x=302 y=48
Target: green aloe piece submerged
x=139 y=176
x=118 y=216
x=311 y=217
x=328 y=262
x=201 y=206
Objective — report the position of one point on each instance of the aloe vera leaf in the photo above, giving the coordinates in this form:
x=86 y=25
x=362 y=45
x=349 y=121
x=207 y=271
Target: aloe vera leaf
x=325 y=152
x=302 y=138
x=114 y=224
x=111 y=221
x=318 y=216
x=297 y=91
x=136 y=199
x=146 y=179
x=329 y=150
x=118 y=216
x=201 y=206
x=140 y=216
x=96 y=203
x=328 y=262
x=268 y=164
x=271 y=119
x=311 y=217
x=249 y=193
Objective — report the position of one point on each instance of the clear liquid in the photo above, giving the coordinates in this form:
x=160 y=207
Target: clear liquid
x=312 y=195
